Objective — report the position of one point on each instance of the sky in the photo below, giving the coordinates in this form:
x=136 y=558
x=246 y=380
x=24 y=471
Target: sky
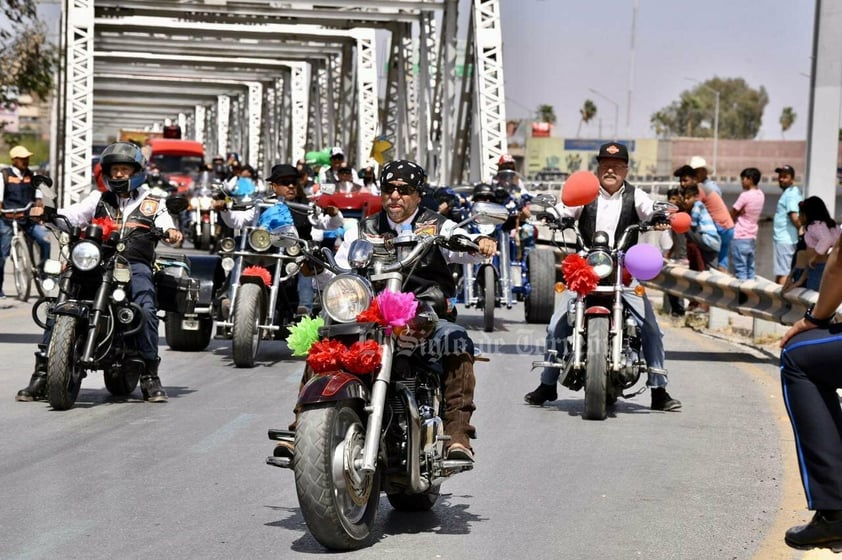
x=555 y=51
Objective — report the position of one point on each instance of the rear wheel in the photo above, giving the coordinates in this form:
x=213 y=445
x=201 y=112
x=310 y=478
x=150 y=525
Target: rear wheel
x=596 y=371
x=489 y=298
x=338 y=501
x=23 y=268
x=246 y=333
x=539 y=304
x=64 y=376
x=183 y=340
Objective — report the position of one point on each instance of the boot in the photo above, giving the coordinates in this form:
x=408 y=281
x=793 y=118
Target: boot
x=459 y=383
x=150 y=385
x=37 y=387
x=286 y=448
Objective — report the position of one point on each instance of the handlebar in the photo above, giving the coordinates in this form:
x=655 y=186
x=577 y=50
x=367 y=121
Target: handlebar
x=16 y=210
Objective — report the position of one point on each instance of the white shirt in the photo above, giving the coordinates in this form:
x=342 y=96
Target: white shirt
x=608 y=208
x=238 y=219
x=82 y=212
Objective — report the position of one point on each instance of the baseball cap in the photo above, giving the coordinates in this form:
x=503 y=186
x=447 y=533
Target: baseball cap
x=697 y=162
x=785 y=169
x=613 y=150
x=283 y=173
x=19 y=152
x=336 y=151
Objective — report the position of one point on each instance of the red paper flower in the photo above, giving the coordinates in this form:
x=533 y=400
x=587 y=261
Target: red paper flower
x=107 y=225
x=362 y=357
x=260 y=272
x=325 y=356
x=372 y=314
x=579 y=275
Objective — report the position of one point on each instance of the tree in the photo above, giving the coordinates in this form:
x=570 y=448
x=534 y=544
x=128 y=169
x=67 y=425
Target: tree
x=740 y=111
x=545 y=113
x=587 y=112
x=787 y=119
x=27 y=61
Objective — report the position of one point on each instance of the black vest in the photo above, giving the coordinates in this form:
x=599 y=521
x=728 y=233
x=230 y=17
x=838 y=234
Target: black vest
x=628 y=216
x=17 y=191
x=431 y=280
x=139 y=223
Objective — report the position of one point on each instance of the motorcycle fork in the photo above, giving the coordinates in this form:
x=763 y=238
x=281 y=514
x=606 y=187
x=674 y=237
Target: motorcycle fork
x=100 y=305
x=273 y=293
x=468 y=284
x=579 y=333
x=505 y=268
x=617 y=325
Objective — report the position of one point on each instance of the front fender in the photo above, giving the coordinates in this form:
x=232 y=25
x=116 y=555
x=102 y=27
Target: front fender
x=72 y=308
x=332 y=387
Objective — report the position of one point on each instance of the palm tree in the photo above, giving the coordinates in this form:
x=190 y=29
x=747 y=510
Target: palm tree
x=587 y=112
x=546 y=114
x=786 y=120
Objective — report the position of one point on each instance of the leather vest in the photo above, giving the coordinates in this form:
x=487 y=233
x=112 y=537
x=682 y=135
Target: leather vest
x=628 y=216
x=431 y=280
x=17 y=191
x=140 y=244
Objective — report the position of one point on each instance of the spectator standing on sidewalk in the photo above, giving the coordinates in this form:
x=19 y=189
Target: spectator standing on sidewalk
x=711 y=195
x=785 y=223
x=746 y=214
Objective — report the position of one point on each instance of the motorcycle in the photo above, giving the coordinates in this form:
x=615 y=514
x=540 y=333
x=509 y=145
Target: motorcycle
x=604 y=352
x=94 y=318
x=203 y=218
x=374 y=423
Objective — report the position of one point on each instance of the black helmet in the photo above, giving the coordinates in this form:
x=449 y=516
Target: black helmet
x=126 y=153
x=483 y=193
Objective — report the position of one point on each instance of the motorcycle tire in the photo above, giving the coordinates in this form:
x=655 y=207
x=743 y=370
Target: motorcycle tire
x=489 y=298
x=122 y=384
x=415 y=502
x=205 y=236
x=538 y=305
x=596 y=370
x=22 y=269
x=64 y=378
x=247 y=315
x=181 y=340
x=339 y=505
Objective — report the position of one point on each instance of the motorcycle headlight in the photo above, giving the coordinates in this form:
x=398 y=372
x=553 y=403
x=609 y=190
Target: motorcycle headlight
x=47 y=284
x=85 y=256
x=227 y=244
x=293 y=250
x=227 y=264
x=259 y=239
x=601 y=262
x=346 y=296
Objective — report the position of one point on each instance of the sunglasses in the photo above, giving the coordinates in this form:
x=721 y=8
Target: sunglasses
x=403 y=190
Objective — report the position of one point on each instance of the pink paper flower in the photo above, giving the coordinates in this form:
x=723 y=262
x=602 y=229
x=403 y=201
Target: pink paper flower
x=397 y=308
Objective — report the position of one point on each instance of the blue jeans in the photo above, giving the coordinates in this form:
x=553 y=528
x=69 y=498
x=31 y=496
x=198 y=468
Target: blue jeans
x=742 y=255
x=650 y=333
x=306 y=293
x=725 y=237
x=36 y=232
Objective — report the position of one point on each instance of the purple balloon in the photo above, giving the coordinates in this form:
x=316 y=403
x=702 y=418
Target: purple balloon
x=644 y=261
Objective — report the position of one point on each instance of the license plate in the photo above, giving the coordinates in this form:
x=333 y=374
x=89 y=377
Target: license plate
x=190 y=324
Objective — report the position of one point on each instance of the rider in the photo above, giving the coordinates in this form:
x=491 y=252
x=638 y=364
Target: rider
x=401 y=183
x=329 y=175
x=16 y=191
x=619 y=205
x=130 y=205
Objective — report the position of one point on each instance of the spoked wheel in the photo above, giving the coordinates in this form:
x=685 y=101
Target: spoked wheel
x=23 y=269
x=489 y=298
x=64 y=376
x=247 y=315
x=35 y=257
x=597 y=369
x=339 y=502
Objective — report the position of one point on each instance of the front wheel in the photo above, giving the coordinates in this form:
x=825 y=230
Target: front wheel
x=205 y=236
x=489 y=298
x=23 y=268
x=248 y=312
x=596 y=372
x=64 y=376
x=339 y=502
x=539 y=304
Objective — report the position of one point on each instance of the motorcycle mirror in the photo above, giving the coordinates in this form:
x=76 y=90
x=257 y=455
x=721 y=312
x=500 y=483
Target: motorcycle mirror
x=489 y=213
x=284 y=236
x=664 y=207
x=176 y=204
x=42 y=181
x=542 y=203
x=360 y=253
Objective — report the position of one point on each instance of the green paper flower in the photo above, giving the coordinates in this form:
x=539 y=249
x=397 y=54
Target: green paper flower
x=303 y=335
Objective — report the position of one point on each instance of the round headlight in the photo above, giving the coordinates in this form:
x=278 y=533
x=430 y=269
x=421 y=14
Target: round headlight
x=47 y=284
x=346 y=296
x=259 y=239
x=601 y=262
x=227 y=244
x=293 y=250
x=118 y=295
x=227 y=264
x=85 y=256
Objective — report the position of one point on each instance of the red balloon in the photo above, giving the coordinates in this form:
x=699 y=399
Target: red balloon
x=680 y=222
x=582 y=187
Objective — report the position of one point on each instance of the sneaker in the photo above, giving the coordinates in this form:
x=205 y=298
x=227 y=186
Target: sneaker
x=541 y=395
x=2 y=295
x=661 y=400
x=824 y=531
x=458 y=452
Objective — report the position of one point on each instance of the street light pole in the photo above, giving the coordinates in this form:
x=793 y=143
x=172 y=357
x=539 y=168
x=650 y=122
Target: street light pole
x=715 y=120
x=616 y=110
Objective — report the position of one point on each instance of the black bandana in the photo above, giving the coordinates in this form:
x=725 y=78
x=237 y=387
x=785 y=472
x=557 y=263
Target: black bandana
x=403 y=170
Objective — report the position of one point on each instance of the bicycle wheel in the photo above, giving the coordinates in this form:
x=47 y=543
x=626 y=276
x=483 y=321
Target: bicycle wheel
x=34 y=259
x=23 y=268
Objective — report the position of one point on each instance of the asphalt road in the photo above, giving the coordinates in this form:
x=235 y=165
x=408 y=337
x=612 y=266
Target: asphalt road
x=127 y=479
